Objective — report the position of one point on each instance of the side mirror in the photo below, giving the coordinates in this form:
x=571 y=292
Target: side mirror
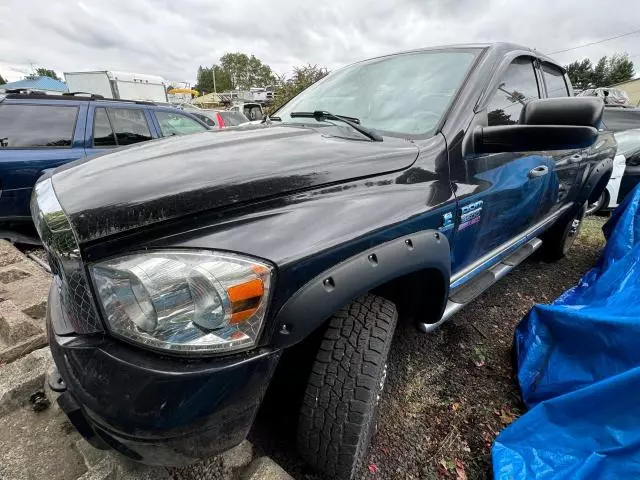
x=577 y=111
x=548 y=124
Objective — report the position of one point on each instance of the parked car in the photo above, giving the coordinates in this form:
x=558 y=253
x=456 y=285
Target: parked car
x=611 y=96
x=219 y=118
x=176 y=297
x=41 y=132
x=253 y=111
x=625 y=122
x=626 y=172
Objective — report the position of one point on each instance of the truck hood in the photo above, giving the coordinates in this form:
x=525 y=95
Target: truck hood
x=174 y=177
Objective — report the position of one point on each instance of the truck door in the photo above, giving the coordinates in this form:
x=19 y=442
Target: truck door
x=498 y=198
x=568 y=166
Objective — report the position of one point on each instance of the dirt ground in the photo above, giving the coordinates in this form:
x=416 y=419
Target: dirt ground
x=448 y=394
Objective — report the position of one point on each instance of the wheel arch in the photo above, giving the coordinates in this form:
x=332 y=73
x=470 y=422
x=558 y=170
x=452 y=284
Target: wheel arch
x=399 y=270
x=597 y=181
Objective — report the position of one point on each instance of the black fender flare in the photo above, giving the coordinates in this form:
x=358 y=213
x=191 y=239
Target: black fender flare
x=596 y=182
x=318 y=299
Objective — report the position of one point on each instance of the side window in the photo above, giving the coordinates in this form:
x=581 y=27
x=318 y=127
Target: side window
x=172 y=123
x=102 y=132
x=554 y=80
x=129 y=125
x=33 y=126
x=518 y=86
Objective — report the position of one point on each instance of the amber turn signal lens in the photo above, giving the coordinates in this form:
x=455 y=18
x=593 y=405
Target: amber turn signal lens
x=245 y=299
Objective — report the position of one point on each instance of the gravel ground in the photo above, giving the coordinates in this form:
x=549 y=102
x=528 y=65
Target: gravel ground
x=448 y=394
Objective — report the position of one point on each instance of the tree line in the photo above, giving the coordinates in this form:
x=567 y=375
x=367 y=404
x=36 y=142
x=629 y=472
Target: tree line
x=38 y=72
x=241 y=71
x=608 y=71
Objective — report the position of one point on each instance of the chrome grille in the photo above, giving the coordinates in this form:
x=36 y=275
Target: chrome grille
x=64 y=255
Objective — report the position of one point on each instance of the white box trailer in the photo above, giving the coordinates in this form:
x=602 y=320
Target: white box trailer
x=118 y=85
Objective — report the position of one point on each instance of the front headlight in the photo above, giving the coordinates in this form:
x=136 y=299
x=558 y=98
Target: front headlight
x=184 y=301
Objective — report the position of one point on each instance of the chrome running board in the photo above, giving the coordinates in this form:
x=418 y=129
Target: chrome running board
x=468 y=291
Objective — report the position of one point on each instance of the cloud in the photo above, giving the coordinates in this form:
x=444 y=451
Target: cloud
x=171 y=38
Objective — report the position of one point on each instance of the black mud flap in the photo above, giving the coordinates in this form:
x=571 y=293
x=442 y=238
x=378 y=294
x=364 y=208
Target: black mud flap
x=75 y=415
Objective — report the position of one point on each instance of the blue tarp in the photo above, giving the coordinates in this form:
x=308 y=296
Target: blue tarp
x=579 y=371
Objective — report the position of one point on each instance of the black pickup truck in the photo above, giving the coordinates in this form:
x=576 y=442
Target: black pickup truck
x=399 y=187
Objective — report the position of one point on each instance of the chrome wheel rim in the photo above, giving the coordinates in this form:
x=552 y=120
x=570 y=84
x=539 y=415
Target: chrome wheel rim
x=383 y=379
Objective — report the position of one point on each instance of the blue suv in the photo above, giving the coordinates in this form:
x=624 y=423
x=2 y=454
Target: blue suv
x=41 y=132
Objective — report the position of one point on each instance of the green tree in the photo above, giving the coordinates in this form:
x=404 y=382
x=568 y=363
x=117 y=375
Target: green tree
x=43 y=72
x=2 y=80
x=608 y=71
x=581 y=73
x=205 y=79
x=302 y=78
x=246 y=72
x=620 y=69
x=600 y=74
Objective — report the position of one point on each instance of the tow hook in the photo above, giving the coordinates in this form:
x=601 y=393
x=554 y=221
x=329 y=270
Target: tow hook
x=55 y=381
x=39 y=401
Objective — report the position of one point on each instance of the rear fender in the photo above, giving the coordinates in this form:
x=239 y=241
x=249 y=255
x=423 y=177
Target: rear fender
x=597 y=182
x=318 y=299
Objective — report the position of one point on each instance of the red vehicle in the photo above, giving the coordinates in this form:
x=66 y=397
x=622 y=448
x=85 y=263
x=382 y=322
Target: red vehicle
x=220 y=118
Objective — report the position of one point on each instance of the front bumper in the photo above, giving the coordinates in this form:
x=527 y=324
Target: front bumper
x=156 y=409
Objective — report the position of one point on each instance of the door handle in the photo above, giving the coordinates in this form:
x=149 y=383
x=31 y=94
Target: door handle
x=538 y=171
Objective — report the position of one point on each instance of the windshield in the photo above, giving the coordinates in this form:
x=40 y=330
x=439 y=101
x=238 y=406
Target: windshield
x=403 y=94
x=232 y=119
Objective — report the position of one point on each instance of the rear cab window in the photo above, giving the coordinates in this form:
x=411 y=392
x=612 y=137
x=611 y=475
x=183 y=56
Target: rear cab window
x=554 y=81
x=517 y=87
x=37 y=126
x=173 y=123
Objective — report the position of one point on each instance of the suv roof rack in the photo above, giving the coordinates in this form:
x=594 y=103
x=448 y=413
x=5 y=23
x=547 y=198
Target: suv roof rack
x=92 y=96
x=21 y=93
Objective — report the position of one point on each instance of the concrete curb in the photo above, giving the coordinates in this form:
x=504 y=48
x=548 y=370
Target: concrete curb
x=23 y=294
x=22 y=378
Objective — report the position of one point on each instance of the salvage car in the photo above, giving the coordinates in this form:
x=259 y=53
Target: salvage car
x=40 y=132
x=400 y=187
x=625 y=174
x=625 y=122
x=218 y=119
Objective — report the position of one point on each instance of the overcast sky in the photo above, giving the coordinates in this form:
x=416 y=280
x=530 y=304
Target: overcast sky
x=171 y=38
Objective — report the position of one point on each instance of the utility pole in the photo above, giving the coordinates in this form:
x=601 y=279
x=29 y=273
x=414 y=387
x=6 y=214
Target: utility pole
x=213 y=73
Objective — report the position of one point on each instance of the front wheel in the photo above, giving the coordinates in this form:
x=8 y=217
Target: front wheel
x=338 y=414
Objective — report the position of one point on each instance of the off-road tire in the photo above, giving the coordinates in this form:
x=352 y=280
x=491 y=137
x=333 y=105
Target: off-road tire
x=557 y=241
x=337 y=417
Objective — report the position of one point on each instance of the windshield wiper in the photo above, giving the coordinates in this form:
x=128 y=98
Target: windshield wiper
x=353 y=122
